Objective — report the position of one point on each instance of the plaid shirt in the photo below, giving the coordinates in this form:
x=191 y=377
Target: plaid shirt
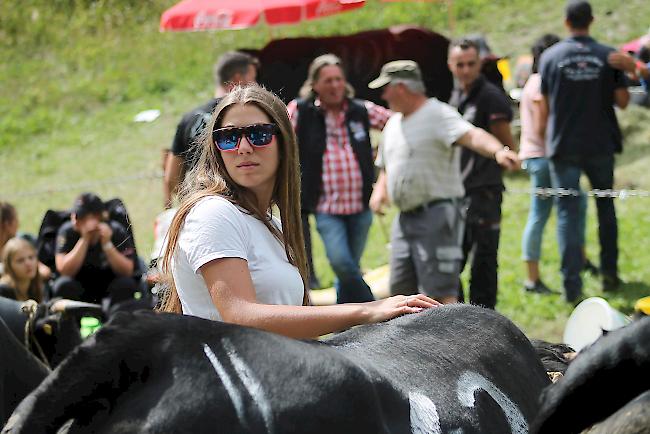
x=342 y=182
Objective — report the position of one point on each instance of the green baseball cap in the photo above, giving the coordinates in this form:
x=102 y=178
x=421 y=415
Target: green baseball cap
x=397 y=70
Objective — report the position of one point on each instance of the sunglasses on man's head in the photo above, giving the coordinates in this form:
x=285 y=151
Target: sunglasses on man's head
x=258 y=135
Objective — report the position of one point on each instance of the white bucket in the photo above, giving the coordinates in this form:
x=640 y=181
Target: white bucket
x=589 y=319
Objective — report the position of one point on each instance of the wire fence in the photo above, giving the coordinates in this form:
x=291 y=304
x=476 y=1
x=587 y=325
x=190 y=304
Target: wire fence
x=564 y=192
x=621 y=194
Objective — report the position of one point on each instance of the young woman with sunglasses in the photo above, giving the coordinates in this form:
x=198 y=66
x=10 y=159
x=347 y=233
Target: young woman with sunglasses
x=229 y=258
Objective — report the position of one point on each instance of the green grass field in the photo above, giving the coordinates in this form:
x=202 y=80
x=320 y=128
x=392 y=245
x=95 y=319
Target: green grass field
x=76 y=72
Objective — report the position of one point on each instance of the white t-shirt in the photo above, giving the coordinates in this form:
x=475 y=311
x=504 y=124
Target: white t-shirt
x=417 y=153
x=215 y=228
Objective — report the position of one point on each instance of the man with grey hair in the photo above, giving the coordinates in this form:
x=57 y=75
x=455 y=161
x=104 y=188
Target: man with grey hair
x=333 y=131
x=233 y=68
x=420 y=173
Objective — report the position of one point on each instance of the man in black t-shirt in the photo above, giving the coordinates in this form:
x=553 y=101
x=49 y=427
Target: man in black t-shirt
x=487 y=107
x=233 y=68
x=580 y=90
x=95 y=258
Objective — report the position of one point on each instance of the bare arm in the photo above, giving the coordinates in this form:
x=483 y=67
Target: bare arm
x=501 y=130
x=478 y=140
x=44 y=271
x=233 y=294
x=120 y=263
x=629 y=64
x=379 y=197
x=621 y=97
x=172 y=177
x=626 y=63
x=540 y=116
x=70 y=263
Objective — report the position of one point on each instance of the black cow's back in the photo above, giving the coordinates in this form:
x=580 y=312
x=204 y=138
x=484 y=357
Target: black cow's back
x=451 y=367
x=479 y=371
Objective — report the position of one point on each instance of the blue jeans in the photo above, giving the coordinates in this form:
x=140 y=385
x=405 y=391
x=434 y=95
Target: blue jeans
x=566 y=173
x=344 y=237
x=540 y=210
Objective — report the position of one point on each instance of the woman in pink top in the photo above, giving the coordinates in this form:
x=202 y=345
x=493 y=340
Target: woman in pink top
x=533 y=156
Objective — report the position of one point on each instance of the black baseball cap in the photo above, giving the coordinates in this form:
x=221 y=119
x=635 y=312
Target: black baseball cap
x=88 y=203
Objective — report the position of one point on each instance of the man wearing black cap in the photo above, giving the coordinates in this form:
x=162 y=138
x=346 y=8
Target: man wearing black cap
x=95 y=257
x=580 y=90
x=420 y=174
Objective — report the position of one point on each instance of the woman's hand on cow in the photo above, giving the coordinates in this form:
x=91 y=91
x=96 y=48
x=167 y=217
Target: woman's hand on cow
x=382 y=310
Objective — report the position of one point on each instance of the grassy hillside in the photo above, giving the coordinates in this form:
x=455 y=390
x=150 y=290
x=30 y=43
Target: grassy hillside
x=75 y=73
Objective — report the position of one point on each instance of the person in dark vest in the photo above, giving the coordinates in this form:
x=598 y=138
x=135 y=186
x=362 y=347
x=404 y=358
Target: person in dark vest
x=336 y=161
x=486 y=106
x=580 y=90
x=233 y=68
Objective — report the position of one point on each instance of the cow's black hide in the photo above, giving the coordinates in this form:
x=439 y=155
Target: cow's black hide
x=455 y=367
x=603 y=378
x=20 y=372
x=632 y=418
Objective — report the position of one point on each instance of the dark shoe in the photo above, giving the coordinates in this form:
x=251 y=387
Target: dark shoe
x=611 y=283
x=590 y=268
x=538 y=287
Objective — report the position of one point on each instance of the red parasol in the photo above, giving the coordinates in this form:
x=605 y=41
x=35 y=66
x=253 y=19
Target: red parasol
x=239 y=14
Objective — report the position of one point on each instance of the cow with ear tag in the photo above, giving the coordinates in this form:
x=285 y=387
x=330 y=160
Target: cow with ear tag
x=456 y=368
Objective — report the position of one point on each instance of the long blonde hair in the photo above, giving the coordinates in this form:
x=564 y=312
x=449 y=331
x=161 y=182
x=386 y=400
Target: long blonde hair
x=209 y=177
x=35 y=288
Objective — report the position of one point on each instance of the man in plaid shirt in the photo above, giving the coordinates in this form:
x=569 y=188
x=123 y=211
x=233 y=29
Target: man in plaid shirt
x=336 y=161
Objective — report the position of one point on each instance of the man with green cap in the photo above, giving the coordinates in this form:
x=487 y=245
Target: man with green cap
x=420 y=173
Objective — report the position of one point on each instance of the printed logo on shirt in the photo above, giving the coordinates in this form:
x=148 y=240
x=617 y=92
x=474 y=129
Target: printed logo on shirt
x=581 y=67
x=358 y=131
x=200 y=125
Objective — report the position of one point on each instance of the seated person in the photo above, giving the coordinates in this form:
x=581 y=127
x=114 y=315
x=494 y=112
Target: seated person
x=21 y=280
x=95 y=257
x=9 y=228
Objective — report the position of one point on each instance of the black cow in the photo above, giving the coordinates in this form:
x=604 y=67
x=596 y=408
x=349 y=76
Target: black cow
x=608 y=381
x=20 y=372
x=449 y=369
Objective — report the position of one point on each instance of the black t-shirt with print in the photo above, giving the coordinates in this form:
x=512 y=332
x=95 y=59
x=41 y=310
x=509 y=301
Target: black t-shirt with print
x=189 y=130
x=95 y=273
x=484 y=103
x=580 y=84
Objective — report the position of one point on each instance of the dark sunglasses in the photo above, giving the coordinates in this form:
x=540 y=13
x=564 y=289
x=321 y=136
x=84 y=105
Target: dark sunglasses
x=258 y=135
